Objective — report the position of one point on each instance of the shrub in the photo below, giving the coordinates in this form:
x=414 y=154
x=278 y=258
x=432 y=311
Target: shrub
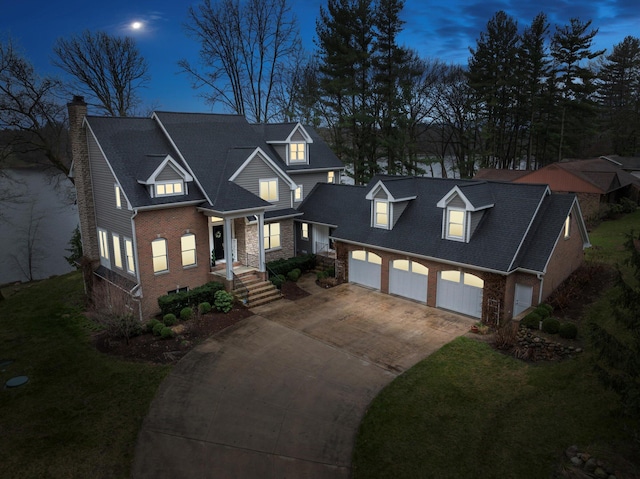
x=283 y=266
x=320 y=275
x=186 y=313
x=278 y=280
x=204 y=308
x=542 y=312
x=547 y=306
x=628 y=205
x=506 y=337
x=169 y=319
x=175 y=302
x=223 y=301
x=150 y=324
x=158 y=327
x=531 y=320
x=166 y=333
x=568 y=331
x=293 y=275
x=550 y=325
x=331 y=272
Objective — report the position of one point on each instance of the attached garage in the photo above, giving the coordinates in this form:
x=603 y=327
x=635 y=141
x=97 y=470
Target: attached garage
x=408 y=279
x=365 y=268
x=460 y=292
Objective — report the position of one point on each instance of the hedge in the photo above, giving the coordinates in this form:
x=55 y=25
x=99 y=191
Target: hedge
x=284 y=266
x=176 y=302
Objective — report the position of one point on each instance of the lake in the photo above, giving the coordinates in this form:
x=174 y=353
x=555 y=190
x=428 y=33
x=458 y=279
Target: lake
x=37 y=218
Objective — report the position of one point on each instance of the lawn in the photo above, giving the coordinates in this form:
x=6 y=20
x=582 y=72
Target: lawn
x=470 y=411
x=80 y=412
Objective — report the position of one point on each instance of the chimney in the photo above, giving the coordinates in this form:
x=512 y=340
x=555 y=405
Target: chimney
x=82 y=177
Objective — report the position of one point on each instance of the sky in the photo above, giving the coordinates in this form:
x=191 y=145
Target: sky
x=443 y=30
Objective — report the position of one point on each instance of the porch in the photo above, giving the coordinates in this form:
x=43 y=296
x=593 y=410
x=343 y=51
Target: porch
x=248 y=285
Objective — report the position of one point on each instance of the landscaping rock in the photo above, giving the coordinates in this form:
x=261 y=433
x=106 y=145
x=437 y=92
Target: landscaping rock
x=584 y=464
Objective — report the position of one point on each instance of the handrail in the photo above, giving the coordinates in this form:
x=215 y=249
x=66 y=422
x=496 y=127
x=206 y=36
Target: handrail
x=240 y=288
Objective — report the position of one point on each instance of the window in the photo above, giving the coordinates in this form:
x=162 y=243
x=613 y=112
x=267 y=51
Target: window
x=118 y=198
x=169 y=189
x=453 y=276
x=128 y=251
x=103 y=243
x=179 y=290
x=455 y=224
x=305 y=231
x=269 y=189
x=331 y=177
x=297 y=196
x=117 y=254
x=381 y=218
x=159 y=255
x=567 y=227
x=296 y=152
x=188 y=246
x=271 y=236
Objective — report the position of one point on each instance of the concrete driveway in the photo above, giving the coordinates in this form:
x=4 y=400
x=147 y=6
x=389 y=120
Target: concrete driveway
x=281 y=394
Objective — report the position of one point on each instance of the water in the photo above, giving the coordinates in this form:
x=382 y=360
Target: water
x=37 y=219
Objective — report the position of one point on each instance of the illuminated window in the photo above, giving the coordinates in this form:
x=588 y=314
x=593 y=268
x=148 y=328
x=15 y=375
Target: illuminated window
x=455 y=224
x=331 y=177
x=118 y=198
x=296 y=152
x=269 y=189
x=305 y=230
x=188 y=246
x=381 y=219
x=103 y=243
x=169 y=189
x=271 y=236
x=159 y=255
x=128 y=251
x=117 y=254
x=453 y=276
x=567 y=227
x=297 y=196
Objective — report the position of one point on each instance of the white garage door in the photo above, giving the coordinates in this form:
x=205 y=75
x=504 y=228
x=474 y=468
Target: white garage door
x=461 y=292
x=365 y=268
x=408 y=279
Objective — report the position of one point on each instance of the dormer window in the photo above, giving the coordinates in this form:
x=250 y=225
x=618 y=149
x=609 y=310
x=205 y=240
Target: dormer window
x=381 y=214
x=567 y=227
x=169 y=188
x=455 y=227
x=297 y=153
x=331 y=177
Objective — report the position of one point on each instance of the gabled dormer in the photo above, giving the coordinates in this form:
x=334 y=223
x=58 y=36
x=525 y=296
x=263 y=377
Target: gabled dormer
x=167 y=179
x=389 y=199
x=295 y=147
x=462 y=209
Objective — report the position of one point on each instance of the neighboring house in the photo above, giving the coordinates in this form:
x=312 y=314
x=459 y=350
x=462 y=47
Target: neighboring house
x=595 y=181
x=485 y=249
x=159 y=197
x=630 y=164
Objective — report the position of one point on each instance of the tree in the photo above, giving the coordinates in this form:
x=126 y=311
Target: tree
x=107 y=70
x=620 y=96
x=245 y=49
x=618 y=345
x=74 y=249
x=31 y=117
x=31 y=251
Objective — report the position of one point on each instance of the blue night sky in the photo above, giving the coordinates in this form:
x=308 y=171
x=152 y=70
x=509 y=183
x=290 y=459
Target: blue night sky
x=442 y=30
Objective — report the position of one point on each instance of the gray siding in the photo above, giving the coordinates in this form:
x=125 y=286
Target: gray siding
x=108 y=216
x=303 y=246
x=258 y=170
x=381 y=194
x=281 y=150
x=297 y=137
x=168 y=174
x=308 y=181
x=476 y=216
x=398 y=209
x=456 y=202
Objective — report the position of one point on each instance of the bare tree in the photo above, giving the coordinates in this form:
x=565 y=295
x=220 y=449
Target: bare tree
x=107 y=70
x=32 y=119
x=245 y=45
x=113 y=309
x=31 y=252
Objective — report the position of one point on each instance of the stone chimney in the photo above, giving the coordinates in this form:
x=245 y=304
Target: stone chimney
x=82 y=177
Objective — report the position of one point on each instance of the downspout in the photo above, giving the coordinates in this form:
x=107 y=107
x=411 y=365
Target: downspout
x=540 y=277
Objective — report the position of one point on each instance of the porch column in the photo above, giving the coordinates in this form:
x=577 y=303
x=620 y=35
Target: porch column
x=261 y=260
x=228 y=248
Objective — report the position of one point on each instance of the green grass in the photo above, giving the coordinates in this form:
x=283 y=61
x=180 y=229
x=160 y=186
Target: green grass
x=608 y=238
x=80 y=412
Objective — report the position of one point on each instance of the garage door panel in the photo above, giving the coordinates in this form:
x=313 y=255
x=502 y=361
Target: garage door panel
x=408 y=279
x=463 y=295
x=365 y=269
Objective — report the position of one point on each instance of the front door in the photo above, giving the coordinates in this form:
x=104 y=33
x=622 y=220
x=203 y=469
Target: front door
x=218 y=242
x=522 y=299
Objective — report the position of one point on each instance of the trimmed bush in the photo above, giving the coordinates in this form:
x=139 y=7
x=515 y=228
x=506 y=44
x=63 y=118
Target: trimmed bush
x=186 y=313
x=278 y=280
x=169 y=319
x=150 y=324
x=166 y=333
x=157 y=328
x=175 y=302
x=293 y=275
x=283 y=266
x=531 y=320
x=223 y=301
x=550 y=325
x=547 y=306
x=568 y=331
x=204 y=308
x=542 y=312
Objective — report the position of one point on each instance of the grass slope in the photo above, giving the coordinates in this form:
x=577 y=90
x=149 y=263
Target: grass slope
x=80 y=412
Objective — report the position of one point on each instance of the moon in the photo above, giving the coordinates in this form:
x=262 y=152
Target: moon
x=136 y=25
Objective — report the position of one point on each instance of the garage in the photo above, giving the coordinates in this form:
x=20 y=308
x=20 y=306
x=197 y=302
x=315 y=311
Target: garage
x=365 y=268
x=408 y=279
x=460 y=292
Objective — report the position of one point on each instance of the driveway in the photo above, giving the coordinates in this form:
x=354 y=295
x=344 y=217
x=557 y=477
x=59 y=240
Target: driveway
x=281 y=394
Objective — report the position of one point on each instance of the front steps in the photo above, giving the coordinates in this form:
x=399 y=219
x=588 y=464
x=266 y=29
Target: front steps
x=256 y=291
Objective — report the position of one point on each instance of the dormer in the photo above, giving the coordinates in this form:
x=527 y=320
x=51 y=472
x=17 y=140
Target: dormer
x=167 y=179
x=389 y=199
x=296 y=146
x=462 y=209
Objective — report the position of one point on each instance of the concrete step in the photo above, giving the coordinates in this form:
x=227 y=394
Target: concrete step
x=264 y=300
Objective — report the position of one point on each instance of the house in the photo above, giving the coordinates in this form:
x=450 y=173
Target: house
x=596 y=182
x=630 y=164
x=486 y=249
x=170 y=202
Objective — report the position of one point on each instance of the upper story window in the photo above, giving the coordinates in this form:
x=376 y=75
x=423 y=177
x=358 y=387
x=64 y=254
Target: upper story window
x=103 y=244
x=169 y=188
x=381 y=214
x=331 y=178
x=567 y=227
x=297 y=153
x=269 y=189
x=128 y=251
x=188 y=247
x=118 y=197
x=455 y=224
x=297 y=195
x=305 y=231
x=159 y=255
x=117 y=254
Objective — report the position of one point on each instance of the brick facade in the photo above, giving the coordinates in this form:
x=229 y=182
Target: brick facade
x=286 y=249
x=589 y=205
